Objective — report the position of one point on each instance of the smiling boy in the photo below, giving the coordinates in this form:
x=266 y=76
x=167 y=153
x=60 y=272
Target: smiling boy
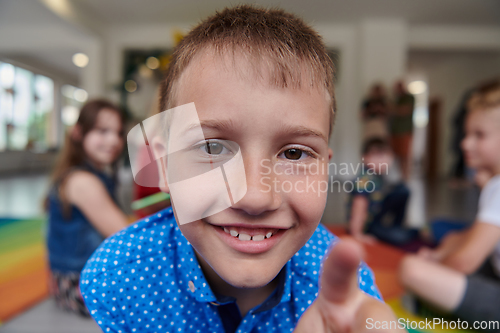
x=262 y=79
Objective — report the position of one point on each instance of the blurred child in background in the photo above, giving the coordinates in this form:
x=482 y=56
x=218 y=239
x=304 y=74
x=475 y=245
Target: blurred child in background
x=81 y=203
x=377 y=204
x=462 y=275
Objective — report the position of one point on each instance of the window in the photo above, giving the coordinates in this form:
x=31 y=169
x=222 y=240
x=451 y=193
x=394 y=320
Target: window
x=26 y=110
x=72 y=101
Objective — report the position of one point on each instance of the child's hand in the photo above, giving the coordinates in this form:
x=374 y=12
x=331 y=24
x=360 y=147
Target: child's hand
x=429 y=254
x=366 y=239
x=341 y=306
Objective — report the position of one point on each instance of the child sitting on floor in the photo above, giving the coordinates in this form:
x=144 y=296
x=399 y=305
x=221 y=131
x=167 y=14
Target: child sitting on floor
x=81 y=203
x=377 y=205
x=462 y=275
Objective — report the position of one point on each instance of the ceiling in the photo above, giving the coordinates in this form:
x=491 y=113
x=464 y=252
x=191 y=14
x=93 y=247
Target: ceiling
x=474 y=12
x=108 y=13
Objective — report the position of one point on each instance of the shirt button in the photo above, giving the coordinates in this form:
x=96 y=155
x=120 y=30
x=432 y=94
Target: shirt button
x=191 y=286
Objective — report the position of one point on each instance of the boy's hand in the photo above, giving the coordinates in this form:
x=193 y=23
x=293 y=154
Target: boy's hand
x=341 y=306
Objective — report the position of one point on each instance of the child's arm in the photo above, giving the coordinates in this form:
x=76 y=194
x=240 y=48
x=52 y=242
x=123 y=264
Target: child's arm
x=86 y=191
x=341 y=306
x=359 y=214
x=450 y=244
x=478 y=243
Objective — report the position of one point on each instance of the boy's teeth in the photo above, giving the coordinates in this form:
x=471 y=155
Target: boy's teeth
x=243 y=237
x=258 y=237
x=247 y=237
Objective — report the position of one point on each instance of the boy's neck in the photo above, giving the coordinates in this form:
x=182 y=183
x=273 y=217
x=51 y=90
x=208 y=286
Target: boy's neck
x=246 y=298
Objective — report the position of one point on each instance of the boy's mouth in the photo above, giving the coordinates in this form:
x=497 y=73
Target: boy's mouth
x=249 y=239
x=246 y=234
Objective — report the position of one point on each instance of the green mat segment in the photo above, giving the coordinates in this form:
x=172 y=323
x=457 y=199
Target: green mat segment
x=16 y=234
x=150 y=200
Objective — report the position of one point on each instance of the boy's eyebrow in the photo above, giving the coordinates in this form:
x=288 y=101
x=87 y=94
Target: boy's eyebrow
x=289 y=130
x=216 y=124
x=303 y=131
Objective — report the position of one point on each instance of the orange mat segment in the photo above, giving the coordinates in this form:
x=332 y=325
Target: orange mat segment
x=23 y=265
x=22 y=292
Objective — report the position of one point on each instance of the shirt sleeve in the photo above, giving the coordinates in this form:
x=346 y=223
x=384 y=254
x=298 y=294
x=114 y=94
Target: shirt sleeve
x=101 y=306
x=362 y=186
x=366 y=280
x=489 y=203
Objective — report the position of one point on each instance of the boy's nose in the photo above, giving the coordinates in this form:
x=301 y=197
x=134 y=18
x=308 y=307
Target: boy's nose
x=261 y=196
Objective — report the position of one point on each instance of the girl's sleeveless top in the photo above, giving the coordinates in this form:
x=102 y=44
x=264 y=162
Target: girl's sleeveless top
x=72 y=239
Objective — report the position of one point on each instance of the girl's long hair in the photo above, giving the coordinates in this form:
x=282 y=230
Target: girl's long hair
x=73 y=154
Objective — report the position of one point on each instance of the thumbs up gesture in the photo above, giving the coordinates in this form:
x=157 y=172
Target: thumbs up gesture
x=341 y=306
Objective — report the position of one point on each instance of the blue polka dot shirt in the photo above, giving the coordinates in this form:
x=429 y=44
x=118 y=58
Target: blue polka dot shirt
x=146 y=278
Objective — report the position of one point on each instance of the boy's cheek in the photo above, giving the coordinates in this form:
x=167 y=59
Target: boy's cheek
x=308 y=199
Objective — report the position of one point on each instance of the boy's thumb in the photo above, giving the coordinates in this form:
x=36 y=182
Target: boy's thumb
x=339 y=279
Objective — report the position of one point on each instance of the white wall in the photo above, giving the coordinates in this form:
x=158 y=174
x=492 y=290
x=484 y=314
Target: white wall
x=449 y=75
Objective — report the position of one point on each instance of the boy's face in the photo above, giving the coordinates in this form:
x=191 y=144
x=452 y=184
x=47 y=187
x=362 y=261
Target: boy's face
x=379 y=160
x=277 y=129
x=482 y=141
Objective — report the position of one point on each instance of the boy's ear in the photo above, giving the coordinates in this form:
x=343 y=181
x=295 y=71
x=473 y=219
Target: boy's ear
x=330 y=153
x=160 y=153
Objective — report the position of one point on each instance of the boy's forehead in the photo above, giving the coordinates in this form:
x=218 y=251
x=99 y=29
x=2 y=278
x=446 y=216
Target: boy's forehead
x=215 y=82
x=213 y=66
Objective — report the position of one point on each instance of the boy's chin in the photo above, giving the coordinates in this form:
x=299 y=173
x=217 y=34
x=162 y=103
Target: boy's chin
x=248 y=279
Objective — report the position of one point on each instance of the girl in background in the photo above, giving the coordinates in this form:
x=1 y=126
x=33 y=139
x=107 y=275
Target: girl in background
x=81 y=203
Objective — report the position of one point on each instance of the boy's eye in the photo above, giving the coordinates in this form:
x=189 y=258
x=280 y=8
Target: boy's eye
x=294 y=154
x=214 y=148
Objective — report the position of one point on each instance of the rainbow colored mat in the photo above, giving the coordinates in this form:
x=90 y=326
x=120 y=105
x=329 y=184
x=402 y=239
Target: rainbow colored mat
x=23 y=267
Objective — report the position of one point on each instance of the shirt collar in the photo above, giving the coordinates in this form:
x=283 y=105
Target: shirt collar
x=192 y=279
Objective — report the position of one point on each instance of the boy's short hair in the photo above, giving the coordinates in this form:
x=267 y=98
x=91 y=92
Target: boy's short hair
x=376 y=144
x=485 y=97
x=270 y=38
